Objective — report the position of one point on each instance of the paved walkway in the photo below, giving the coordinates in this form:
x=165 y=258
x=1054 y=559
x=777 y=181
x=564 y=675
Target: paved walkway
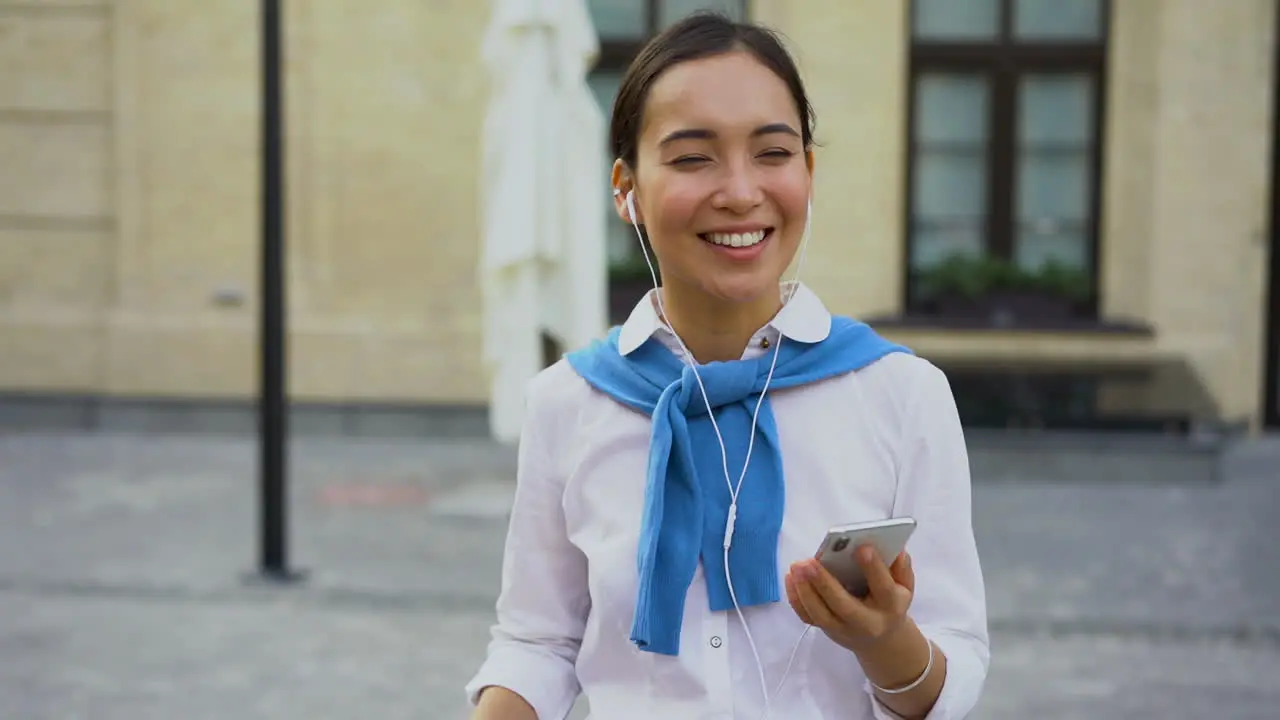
x=122 y=596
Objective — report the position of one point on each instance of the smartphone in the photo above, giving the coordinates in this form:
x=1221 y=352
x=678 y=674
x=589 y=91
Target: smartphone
x=888 y=537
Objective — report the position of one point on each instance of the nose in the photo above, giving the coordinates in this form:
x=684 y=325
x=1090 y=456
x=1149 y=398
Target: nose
x=741 y=192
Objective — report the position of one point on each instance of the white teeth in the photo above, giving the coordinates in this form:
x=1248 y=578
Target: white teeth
x=736 y=239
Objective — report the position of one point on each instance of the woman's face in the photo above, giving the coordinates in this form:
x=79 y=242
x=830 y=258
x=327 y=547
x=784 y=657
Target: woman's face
x=722 y=177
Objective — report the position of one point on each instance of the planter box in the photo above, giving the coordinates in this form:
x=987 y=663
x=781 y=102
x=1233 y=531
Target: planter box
x=623 y=296
x=1009 y=308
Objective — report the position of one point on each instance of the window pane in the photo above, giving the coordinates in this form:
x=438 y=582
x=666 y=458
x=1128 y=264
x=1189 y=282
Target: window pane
x=934 y=243
x=620 y=19
x=1053 y=185
x=1056 y=109
x=670 y=11
x=952 y=108
x=604 y=86
x=1057 y=19
x=620 y=239
x=1060 y=245
x=956 y=19
x=950 y=183
x=1054 y=170
x=950 y=177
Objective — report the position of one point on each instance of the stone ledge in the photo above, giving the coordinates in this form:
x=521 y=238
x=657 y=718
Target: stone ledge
x=56 y=411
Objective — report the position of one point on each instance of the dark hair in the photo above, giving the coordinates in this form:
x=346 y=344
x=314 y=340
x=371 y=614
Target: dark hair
x=700 y=35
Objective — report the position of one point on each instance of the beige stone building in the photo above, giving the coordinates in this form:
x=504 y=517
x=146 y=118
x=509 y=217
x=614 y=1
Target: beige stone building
x=1109 y=164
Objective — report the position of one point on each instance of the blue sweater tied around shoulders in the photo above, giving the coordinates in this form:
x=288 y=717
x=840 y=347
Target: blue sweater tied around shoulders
x=686 y=498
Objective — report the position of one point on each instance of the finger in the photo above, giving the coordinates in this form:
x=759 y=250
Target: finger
x=814 y=606
x=844 y=606
x=794 y=600
x=879 y=579
x=903 y=573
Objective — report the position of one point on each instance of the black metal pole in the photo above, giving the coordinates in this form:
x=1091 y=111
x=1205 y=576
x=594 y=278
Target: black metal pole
x=272 y=405
x=1271 y=337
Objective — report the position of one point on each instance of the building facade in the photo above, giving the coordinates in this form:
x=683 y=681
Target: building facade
x=1025 y=184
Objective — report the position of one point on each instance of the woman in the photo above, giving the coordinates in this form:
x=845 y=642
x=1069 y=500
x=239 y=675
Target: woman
x=675 y=479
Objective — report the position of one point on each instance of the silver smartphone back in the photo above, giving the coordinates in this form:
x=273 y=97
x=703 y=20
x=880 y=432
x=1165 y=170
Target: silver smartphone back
x=888 y=537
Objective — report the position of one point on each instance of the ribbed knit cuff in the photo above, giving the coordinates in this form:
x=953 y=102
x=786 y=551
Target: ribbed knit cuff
x=660 y=612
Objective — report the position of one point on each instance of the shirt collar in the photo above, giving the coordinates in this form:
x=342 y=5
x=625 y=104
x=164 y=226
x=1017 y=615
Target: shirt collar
x=803 y=318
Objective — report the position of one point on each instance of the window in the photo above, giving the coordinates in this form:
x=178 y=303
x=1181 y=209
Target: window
x=624 y=26
x=1005 y=147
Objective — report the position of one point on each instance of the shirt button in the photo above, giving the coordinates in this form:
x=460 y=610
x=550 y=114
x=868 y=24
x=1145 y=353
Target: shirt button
x=716 y=641
x=764 y=343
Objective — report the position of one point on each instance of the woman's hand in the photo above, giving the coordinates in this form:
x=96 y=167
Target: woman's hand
x=855 y=624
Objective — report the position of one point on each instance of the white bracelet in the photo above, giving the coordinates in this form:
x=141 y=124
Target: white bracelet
x=928 y=668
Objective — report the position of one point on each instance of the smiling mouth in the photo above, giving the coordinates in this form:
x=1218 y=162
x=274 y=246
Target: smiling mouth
x=737 y=240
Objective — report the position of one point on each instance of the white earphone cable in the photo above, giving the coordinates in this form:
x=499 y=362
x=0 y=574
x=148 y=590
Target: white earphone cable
x=724 y=456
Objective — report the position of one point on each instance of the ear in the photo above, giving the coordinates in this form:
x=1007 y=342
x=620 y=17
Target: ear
x=808 y=160
x=623 y=183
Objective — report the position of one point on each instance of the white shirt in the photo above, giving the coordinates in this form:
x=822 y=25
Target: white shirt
x=881 y=442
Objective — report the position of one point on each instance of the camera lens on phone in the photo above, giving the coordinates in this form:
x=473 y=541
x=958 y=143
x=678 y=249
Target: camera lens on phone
x=840 y=544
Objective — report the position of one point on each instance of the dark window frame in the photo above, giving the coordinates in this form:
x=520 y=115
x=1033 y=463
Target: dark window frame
x=1004 y=60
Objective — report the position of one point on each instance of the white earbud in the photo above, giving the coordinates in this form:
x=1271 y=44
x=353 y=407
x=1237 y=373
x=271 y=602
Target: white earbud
x=631 y=204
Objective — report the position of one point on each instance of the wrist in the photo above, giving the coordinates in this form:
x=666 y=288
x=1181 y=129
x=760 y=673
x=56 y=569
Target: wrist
x=897 y=658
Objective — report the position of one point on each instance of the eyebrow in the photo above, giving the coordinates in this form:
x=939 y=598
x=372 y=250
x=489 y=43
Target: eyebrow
x=704 y=134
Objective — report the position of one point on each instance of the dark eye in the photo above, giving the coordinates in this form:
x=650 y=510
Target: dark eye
x=777 y=154
x=689 y=160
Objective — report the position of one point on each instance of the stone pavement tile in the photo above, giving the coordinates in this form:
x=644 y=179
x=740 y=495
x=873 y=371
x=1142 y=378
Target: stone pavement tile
x=285 y=656
x=123 y=658
x=426 y=519
x=1143 y=553
x=1039 y=676
x=183 y=511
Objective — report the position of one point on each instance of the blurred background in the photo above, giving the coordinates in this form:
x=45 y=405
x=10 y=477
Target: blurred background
x=1068 y=205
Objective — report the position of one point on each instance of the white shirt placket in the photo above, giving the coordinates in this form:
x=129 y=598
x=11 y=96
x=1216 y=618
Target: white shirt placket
x=718 y=670
x=719 y=675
